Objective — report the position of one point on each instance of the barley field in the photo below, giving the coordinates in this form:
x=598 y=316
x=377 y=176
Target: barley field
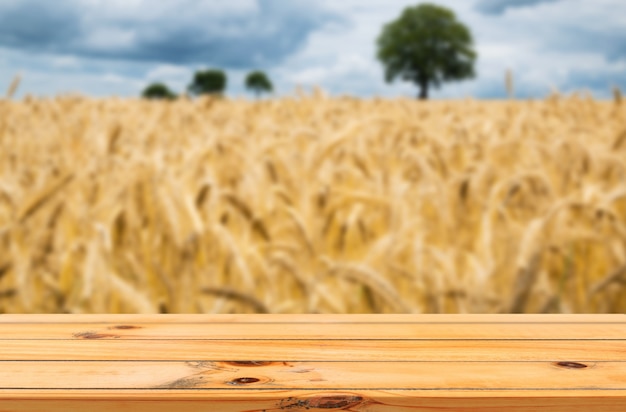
x=312 y=204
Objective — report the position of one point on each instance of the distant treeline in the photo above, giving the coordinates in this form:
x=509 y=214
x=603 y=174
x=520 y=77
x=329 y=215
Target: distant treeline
x=213 y=81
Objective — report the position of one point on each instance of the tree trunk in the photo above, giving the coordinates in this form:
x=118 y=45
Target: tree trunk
x=423 y=83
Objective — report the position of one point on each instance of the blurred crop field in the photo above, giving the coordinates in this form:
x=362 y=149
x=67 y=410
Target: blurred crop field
x=312 y=204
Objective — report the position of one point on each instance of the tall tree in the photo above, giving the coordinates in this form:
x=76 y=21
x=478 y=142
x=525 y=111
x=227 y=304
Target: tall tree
x=258 y=82
x=427 y=46
x=208 y=82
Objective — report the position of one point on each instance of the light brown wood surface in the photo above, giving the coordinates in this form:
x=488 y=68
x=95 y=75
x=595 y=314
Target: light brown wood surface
x=264 y=363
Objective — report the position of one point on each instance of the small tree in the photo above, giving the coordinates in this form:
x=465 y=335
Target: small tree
x=208 y=82
x=427 y=46
x=158 y=91
x=258 y=82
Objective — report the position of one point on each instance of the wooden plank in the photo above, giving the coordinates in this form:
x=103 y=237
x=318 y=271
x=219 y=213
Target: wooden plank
x=301 y=401
x=313 y=350
x=307 y=318
x=305 y=327
x=256 y=363
x=334 y=376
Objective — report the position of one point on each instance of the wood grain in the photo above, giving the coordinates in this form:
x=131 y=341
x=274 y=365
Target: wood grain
x=268 y=363
x=325 y=327
x=466 y=350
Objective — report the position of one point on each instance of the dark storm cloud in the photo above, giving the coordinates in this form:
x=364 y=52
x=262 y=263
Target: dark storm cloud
x=262 y=38
x=29 y=24
x=262 y=35
x=498 y=7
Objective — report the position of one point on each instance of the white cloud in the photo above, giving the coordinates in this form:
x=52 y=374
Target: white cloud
x=345 y=65
x=168 y=72
x=110 y=84
x=113 y=78
x=65 y=62
x=110 y=39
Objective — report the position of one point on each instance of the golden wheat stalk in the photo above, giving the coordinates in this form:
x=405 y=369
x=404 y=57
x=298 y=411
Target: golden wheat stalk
x=37 y=201
x=375 y=282
x=238 y=296
x=13 y=87
x=442 y=206
x=509 y=83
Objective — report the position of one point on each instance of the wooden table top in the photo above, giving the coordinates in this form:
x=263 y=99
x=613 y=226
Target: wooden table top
x=263 y=363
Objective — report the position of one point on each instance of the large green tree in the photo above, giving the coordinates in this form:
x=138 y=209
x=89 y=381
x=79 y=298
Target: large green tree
x=208 y=82
x=427 y=46
x=258 y=82
x=158 y=91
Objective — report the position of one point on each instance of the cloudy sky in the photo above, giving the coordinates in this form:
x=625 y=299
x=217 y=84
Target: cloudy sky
x=117 y=47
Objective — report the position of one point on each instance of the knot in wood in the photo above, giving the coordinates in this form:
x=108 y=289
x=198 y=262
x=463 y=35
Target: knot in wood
x=249 y=363
x=243 y=381
x=571 y=365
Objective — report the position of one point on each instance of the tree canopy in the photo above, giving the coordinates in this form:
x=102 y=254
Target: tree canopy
x=258 y=82
x=208 y=82
x=158 y=91
x=427 y=46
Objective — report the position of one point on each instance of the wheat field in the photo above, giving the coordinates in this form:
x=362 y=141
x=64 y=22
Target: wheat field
x=312 y=204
